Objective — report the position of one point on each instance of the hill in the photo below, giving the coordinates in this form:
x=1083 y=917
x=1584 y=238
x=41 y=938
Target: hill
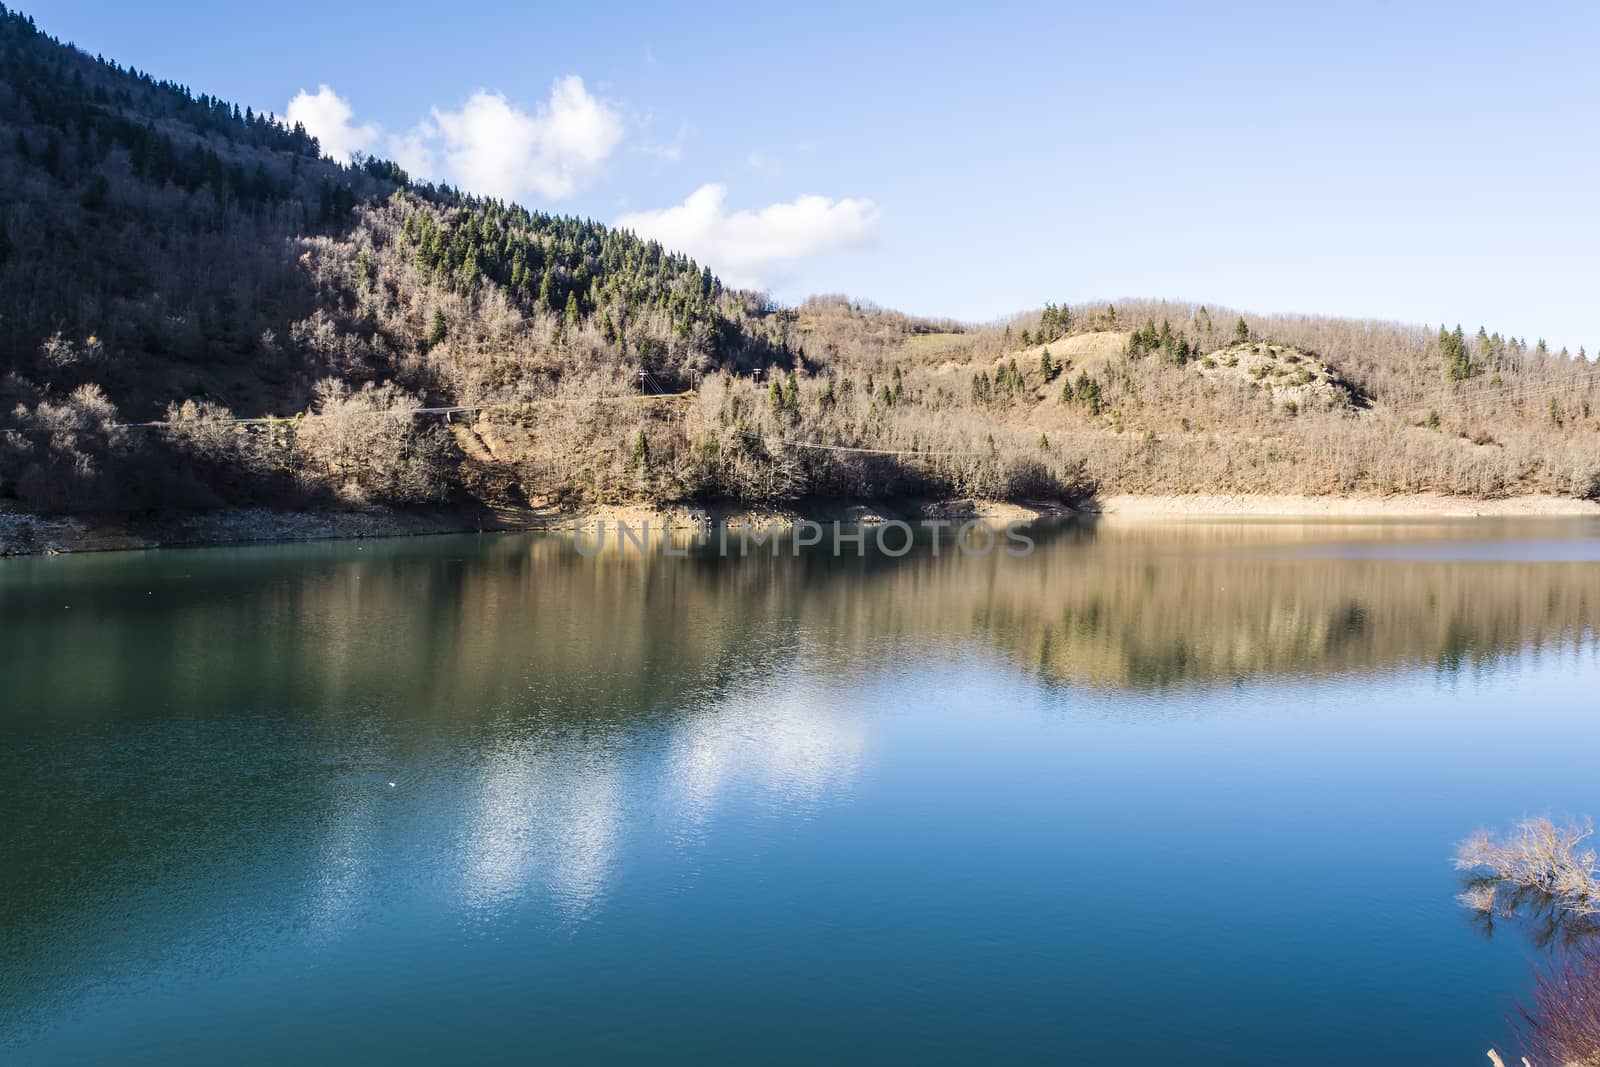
x=168 y=257
x=198 y=309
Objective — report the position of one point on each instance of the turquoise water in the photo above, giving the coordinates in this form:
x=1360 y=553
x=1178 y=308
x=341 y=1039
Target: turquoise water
x=1152 y=795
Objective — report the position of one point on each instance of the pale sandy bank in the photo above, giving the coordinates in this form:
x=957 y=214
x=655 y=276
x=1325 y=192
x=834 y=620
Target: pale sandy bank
x=1415 y=506
x=996 y=512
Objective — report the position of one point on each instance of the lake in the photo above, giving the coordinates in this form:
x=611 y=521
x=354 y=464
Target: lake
x=1152 y=794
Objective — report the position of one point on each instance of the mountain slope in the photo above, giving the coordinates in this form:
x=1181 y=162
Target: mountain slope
x=159 y=247
x=171 y=264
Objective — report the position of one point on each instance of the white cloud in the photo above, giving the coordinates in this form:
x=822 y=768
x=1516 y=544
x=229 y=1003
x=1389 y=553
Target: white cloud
x=488 y=146
x=492 y=147
x=664 y=151
x=414 y=150
x=326 y=116
x=741 y=245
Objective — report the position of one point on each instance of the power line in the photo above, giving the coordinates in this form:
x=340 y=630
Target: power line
x=819 y=446
x=292 y=420
x=1482 y=402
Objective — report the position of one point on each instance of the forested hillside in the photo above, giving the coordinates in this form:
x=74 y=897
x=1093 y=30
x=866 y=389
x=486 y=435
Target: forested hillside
x=170 y=257
x=171 y=263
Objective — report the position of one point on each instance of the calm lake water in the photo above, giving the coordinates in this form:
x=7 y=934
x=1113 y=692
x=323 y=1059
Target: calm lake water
x=1153 y=795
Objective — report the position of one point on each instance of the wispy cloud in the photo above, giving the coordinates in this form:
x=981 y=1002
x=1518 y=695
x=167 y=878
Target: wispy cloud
x=656 y=147
x=669 y=153
x=746 y=247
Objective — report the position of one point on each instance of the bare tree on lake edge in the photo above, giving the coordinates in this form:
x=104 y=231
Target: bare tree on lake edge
x=1546 y=875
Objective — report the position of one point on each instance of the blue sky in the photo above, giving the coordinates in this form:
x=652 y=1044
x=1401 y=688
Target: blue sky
x=1423 y=162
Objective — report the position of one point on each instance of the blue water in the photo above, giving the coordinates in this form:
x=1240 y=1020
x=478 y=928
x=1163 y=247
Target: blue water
x=1165 y=795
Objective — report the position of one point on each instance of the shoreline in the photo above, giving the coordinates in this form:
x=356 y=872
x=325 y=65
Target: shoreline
x=1288 y=506
x=24 y=534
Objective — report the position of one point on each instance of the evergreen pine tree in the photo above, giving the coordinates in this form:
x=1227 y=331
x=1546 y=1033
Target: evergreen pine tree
x=260 y=184
x=50 y=158
x=1241 y=331
x=1088 y=392
x=980 y=387
x=438 y=328
x=1458 y=363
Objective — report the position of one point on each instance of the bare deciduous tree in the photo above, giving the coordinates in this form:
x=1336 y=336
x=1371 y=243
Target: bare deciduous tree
x=368 y=444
